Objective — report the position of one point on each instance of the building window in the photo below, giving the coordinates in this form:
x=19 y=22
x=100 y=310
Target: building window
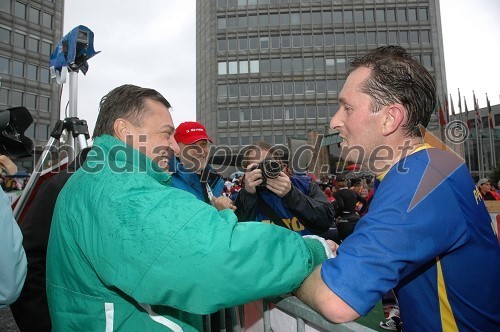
x=4 y=36
x=16 y=98
x=403 y=37
x=44 y=104
x=267 y=113
x=393 y=37
x=414 y=36
x=222 y=68
x=358 y=16
x=46 y=48
x=4 y=65
x=5 y=6
x=318 y=40
x=348 y=16
x=243 y=90
x=391 y=15
x=307 y=40
x=369 y=16
x=32 y=73
x=222 y=115
x=425 y=37
x=243 y=67
x=245 y=114
x=299 y=112
x=222 y=45
x=233 y=90
x=232 y=45
x=42 y=131
x=18 y=68
x=422 y=14
x=287 y=88
x=278 y=113
x=243 y=44
x=275 y=65
x=427 y=60
x=44 y=75
x=402 y=15
x=221 y=23
x=34 y=15
x=371 y=38
x=222 y=91
x=299 y=87
x=255 y=89
x=33 y=44
x=412 y=14
x=326 y=17
x=47 y=20
x=380 y=15
x=19 y=40
x=234 y=115
x=20 y=10
x=277 y=87
x=30 y=101
x=256 y=114
x=266 y=89
x=4 y=97
x=254 y=66
x=337 y=17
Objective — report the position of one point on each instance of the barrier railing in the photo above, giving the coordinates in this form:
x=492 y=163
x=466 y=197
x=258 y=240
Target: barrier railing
x=283 y=314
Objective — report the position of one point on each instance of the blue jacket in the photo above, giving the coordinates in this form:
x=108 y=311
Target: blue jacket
x=13 y=263
x=190 y=182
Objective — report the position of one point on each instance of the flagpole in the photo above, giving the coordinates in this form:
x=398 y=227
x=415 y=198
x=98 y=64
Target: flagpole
x=479 y=136
x=468 y=127
x=490 y=126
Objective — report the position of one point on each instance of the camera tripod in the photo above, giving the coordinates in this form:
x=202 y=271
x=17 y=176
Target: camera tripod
x=80 y=132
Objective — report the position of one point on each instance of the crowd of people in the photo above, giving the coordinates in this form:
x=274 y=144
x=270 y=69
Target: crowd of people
x=145 y=235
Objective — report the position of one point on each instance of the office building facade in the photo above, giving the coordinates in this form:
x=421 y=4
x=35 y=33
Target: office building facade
x=29 y=32
x=272 y=69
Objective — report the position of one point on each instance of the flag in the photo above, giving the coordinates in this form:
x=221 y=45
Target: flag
x=490 y=115
x=442 y=119
x=452 y=107
x=460 y=105
x=479 y=123
x=467 y=114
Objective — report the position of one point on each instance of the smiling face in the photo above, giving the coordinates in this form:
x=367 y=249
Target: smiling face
x=359 y=128
x=154 y=137
x=194 y=156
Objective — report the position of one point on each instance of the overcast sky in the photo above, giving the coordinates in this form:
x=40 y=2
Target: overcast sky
x=151 y=43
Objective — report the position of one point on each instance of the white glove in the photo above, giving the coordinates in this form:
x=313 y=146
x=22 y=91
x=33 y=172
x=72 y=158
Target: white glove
x=330 y=246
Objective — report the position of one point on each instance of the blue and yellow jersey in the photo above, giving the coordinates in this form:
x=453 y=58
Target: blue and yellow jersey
x=429 y=236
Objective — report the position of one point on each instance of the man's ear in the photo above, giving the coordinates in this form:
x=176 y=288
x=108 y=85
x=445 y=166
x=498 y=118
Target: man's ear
x=394 y=117
x=121 y=128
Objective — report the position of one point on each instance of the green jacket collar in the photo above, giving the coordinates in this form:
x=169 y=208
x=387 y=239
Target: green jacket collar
x=121 y=157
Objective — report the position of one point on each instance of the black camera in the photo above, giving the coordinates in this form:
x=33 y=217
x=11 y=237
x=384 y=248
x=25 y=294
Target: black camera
x=270 y=169
x=13 y=123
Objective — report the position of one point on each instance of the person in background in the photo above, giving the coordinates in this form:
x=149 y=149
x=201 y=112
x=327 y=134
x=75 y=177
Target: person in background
x=192 y=173
x=294 y=202
x=346 y=201
x=484 y=187
x=31 y=310
x=427 y=234
x=127 y=251
x=190 y=170
x=13 y=264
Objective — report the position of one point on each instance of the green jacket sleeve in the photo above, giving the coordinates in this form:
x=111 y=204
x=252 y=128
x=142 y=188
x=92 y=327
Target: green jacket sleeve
x=167 y=248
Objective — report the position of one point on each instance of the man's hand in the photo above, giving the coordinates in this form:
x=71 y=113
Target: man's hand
x=280 y=185
x=253 y=178
x=222 y=203
x=7 y=165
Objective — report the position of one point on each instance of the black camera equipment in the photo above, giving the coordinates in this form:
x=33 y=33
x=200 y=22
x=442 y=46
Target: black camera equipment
x=13 y=123
x=270 y=169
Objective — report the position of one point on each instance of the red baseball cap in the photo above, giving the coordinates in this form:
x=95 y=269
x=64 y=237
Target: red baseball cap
x=190 y=132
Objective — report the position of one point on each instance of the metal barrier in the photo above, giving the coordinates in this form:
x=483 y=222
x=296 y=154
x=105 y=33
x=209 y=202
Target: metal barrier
x=282 y=314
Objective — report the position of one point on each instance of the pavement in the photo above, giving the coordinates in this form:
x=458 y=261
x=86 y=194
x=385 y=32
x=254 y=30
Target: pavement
x=7 y=323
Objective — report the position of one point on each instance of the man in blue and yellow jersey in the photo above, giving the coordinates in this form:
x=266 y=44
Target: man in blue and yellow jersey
x=427 y=234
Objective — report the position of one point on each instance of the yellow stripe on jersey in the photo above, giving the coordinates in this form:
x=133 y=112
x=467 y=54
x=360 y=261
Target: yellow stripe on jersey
x=447 y=318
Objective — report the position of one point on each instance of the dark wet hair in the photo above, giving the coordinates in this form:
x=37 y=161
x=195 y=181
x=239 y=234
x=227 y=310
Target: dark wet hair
x=127 y=102
x=397 y=77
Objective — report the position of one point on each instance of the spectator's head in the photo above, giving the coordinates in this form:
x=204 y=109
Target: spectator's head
x=364 y=192
x=484 y=185
x=141 y=118
x=259 y=151
x=193 y=144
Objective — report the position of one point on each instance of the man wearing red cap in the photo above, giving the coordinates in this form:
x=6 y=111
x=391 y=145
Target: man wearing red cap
x=190 y=171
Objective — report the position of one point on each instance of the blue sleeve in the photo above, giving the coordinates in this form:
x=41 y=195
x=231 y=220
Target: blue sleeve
x=12 y=257
x=392 y=241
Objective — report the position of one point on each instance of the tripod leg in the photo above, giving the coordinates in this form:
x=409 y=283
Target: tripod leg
x=33 y=179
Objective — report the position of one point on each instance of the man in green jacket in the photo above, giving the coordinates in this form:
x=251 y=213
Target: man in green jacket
x=129 y=252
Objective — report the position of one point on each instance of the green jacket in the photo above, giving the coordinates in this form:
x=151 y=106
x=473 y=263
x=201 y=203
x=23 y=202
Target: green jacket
x=129 y=252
